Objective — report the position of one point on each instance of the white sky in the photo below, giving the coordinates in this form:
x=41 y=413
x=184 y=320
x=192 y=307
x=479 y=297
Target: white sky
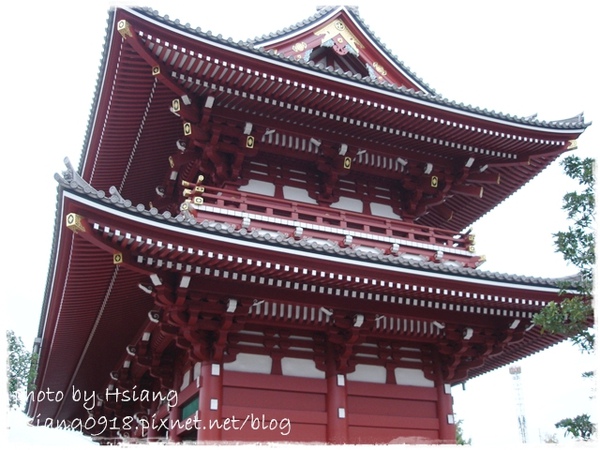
x=516 y=57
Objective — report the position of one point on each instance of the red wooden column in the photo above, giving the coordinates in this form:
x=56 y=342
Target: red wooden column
x=210 y=402
x=447 y=432
x=174 y=416
x=337 y=405
x=153 y=434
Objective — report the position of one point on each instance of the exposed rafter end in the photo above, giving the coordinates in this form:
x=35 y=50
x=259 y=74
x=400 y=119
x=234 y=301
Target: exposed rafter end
x=75 y=223
x=124 y=29
x=470 y=190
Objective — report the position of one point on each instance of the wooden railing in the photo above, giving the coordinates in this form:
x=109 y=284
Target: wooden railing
x=275 y=214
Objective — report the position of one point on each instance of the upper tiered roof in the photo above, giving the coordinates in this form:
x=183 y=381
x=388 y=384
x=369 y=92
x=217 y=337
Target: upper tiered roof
x=394 y=128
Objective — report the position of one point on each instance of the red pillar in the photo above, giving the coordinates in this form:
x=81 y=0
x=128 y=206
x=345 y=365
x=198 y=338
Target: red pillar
x=152 y=432
x=210 y=402
x=174 y=418
x=337 y=407
x=445 y=415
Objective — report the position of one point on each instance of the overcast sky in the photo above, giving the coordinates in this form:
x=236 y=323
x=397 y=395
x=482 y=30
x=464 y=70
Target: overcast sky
x=515 y=57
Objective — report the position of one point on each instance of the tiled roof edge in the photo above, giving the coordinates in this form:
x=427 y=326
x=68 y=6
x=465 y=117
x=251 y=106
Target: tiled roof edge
x=575 y=123
x=73 y=182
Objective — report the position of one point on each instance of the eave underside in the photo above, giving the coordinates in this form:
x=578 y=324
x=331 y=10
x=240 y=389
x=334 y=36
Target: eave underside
x=104 y=309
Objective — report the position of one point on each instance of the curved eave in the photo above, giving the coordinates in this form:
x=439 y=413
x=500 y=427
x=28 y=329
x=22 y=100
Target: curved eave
x=533 y=342
x=94 y=308
x=188 y=232
x=576 y=124
x=90 y=310
x=132 y=132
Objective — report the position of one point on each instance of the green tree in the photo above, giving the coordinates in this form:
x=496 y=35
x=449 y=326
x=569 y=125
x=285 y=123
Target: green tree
x=21 y=367
x=579 y=427
x=460 y=439
x=572 y=316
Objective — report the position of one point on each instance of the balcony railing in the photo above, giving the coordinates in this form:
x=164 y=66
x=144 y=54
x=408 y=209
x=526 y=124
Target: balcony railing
x=361 y=231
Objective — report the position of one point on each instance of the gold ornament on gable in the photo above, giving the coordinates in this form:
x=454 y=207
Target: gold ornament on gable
x=299 y=47
x=338 y=30
x=379 y=68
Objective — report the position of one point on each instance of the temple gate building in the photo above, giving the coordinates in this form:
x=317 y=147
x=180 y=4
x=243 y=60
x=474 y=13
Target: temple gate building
x=264 y=241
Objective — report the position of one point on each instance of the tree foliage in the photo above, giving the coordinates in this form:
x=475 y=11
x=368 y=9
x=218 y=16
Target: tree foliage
x=579 y=427
x=460 y=439
x=20 y=369
x=572 y=316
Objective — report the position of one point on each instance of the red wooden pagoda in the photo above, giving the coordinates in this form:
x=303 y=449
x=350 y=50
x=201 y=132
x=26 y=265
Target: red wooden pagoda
x=263 y=242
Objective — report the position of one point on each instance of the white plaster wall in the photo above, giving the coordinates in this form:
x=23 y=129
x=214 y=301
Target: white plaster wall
x=259 y=187
x=412 y=377
x=348 y=204
x=297 y=367
x=379 y=209
x=246 y=362
x=368 y=373
x=297 y=195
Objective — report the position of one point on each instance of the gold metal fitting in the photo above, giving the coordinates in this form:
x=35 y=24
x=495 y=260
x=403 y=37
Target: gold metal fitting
x=74 y=223
x=250 y=142
x=118 y=258
x=124 y=29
